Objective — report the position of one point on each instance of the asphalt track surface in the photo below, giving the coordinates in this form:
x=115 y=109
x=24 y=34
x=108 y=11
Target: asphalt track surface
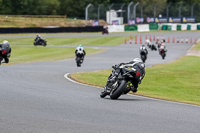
x=36 y=98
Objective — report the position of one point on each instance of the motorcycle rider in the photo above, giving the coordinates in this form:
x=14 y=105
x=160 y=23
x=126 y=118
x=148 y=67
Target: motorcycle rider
x=148 y=43
x=162 y=46
x=37 y=38
x=5 y=50
x=80 y=52
x=143 y=50
x=137 y=66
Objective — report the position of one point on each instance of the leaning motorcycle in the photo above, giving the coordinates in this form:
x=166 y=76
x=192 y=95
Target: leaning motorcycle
x=119 y=84
x=41 y=42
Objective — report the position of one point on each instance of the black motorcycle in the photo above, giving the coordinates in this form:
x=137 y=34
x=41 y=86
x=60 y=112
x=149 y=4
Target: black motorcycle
x=143 y=56
x=40 y=42
x=153 y=47
x=118 y=84
x=105 y=31
x=163 y=53
x=79 y=60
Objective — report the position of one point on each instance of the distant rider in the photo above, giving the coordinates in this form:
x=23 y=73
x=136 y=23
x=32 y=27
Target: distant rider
x=80 y=52
x=136 y=65
x=38 y=37
x=148 y=43
x=5 y=50
x=143 y=51
x=162 y=46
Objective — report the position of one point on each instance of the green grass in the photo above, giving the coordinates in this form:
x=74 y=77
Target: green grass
x=176 y=81
x=196 y=47
x=89 y=41
x=22 y=54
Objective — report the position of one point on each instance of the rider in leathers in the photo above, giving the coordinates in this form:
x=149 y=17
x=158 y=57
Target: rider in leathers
x=138 y=66
x=80 y=52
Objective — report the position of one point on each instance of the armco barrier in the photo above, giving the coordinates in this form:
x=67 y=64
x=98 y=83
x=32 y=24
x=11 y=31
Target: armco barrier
x=198 y=26
x=178 y=27
x=52 y=30
x=183 y=26
x=165 y=27
x=153 y=26
x=116 y=28
x=130 y=27
x=169 y=27
x=174 y=27
x=193 y=26
x=143 y=27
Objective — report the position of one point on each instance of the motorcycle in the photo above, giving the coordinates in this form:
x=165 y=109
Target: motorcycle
x=41 y=42
x=143 y=56
x=105 y=31
x=153 y=47
x=79 y=61
x=120 y=84
x=163 y=53
x=4 y=53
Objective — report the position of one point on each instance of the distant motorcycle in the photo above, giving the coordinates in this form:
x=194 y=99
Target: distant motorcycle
x=120 y=84
x=153 y=47
x=40 y=42
x=143 y=56
x=163 y=53
x=105 y=31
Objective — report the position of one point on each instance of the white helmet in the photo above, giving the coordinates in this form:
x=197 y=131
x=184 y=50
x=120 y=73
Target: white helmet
x=137 y=60
x=5 y=42
x=147 y=41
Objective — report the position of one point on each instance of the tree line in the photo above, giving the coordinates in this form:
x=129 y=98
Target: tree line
x=71 y=8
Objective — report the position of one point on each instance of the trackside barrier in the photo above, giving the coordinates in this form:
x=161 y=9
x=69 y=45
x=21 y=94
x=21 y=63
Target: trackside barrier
x=52 y=30
x=143 y=28
x=174 y=27
x=183 y=26
x=130 y=27
x=116 y=28
x=193 y=26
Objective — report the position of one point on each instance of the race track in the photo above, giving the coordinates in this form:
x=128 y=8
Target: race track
x=36 y=98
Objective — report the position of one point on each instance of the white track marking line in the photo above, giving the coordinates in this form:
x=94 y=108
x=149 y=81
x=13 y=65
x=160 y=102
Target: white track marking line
x=154 y=99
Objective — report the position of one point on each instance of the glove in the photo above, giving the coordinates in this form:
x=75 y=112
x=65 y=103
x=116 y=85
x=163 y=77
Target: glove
x=114 y=66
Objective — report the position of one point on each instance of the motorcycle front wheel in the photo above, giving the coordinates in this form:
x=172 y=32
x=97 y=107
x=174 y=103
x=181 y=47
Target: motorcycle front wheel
x=116 y=93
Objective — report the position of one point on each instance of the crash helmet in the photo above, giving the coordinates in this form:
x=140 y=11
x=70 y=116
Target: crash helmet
x=38 y=35
x=137 y=60
x=6 y=42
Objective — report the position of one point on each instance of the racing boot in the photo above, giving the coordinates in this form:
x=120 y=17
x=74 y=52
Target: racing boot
x=134 y=90
x=105 y=92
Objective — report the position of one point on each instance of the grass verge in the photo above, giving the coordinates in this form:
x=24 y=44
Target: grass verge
x=89 y=41
x=22 y=54
x=175 y=81
x=196 y=47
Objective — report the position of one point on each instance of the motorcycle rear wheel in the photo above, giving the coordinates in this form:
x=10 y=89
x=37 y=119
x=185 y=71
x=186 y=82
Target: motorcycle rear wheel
x=115 y=94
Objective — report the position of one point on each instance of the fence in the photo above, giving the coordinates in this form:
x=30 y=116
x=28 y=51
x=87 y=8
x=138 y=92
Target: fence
x=132 y=10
